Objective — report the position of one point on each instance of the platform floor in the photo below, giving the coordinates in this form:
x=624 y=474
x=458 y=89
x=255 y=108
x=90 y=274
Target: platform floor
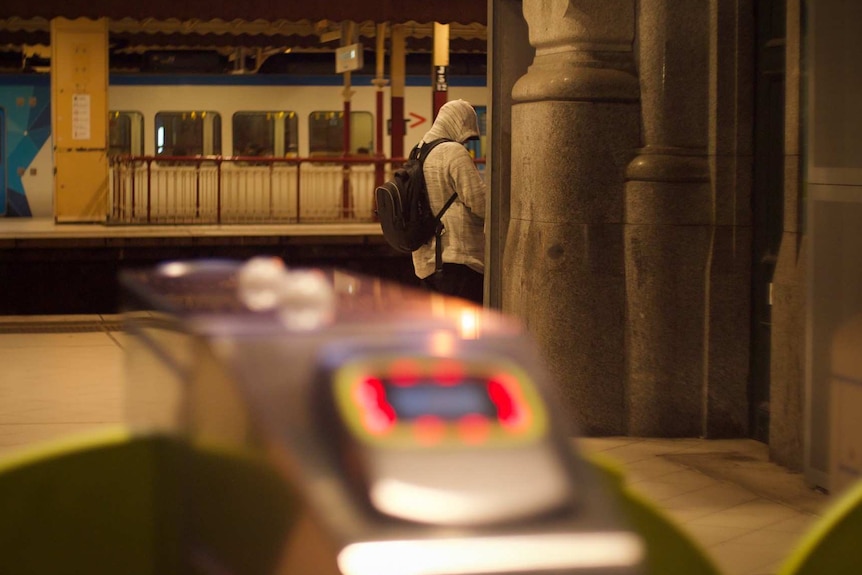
x=46 y=228
x=64 y=374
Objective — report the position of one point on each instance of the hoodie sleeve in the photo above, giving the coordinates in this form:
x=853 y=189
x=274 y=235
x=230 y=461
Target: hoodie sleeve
x=465 y=178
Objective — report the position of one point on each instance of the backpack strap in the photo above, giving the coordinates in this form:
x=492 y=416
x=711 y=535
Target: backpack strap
x=444 y=208
x=438 y=245
x=421 y=150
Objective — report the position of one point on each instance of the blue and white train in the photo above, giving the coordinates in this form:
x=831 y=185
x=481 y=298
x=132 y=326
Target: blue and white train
x=209 y=115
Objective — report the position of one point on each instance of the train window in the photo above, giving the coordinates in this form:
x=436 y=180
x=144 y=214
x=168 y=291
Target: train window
x=326 y=133
x=125 y=133
x=188 y=133
x=265 y=134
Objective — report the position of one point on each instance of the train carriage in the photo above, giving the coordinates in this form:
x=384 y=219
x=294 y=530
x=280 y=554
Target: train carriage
x=226 y=148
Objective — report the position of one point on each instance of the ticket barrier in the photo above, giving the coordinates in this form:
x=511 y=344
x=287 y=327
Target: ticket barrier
x=418 y=432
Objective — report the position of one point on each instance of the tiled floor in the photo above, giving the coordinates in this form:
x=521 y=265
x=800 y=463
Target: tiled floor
x=53 y=384
x=745 y=511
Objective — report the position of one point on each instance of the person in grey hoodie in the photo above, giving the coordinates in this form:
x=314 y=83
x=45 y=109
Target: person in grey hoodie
x=448 y=169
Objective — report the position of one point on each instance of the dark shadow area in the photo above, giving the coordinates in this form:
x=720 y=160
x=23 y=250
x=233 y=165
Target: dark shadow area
x=57 y=278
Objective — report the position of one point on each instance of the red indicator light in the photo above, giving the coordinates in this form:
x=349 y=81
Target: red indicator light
x=474 y=429
x=405 y=372
x=378 y=417
x=429 y=430
x=513 y=411
x=448 y=373
x=502 y=400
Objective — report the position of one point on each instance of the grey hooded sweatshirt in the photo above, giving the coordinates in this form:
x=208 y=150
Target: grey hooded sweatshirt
x=448 y=169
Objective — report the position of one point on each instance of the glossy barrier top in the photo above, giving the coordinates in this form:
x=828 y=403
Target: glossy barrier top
x=261 y=295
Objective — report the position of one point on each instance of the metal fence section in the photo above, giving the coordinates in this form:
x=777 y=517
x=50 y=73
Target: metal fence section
x=239 y=190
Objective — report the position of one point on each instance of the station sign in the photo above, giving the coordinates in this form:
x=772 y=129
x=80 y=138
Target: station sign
x=348 y=58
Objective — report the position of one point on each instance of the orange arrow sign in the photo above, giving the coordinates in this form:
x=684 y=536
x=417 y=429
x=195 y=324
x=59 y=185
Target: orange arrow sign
x=419 y=120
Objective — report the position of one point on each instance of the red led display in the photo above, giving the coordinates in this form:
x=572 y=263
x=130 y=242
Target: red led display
x=439 y=401
x=378 y=417
x=502 y=400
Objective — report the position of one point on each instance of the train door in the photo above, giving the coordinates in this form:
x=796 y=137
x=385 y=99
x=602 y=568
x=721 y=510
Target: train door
x=2 y=162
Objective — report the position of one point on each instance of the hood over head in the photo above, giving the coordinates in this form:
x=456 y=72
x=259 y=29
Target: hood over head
x=456 y=120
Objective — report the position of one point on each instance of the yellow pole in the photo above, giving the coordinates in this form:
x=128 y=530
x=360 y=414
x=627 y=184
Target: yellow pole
x=440 y=72
x=79 y=118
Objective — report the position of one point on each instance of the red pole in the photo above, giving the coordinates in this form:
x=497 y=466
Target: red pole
x=398 y=65
x=345 y=181
x=398 y=126
x=378 y=148
x=198 y=190
x=149 y=189
x=298 y=188
x=134 y=188
x=346 y=132
x=218 y=190
x=381 y=82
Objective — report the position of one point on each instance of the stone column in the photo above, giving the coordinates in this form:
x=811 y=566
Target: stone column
x=509 y=57
x=669 y=224
x=575 y=127
x=790 y=312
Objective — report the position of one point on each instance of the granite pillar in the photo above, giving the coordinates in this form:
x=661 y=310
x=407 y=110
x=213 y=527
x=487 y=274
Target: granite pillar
x=790 y=306
x=575 y=127
x=669 y=225
x=509 y=57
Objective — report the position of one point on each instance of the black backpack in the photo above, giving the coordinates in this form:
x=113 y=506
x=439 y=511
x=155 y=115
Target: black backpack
x=403 y=207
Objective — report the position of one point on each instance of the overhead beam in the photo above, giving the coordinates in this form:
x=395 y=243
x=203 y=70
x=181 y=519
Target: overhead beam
x=135 y=36
x=395 y=11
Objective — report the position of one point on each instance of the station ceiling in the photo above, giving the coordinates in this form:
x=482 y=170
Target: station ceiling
x=444 y=11
x=267 y=26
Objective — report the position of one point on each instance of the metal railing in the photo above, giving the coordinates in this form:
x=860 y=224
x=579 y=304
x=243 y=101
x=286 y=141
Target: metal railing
x=243 y=190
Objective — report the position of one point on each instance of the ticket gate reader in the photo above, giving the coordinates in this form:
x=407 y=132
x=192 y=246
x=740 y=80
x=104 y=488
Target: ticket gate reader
x=419 y=431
